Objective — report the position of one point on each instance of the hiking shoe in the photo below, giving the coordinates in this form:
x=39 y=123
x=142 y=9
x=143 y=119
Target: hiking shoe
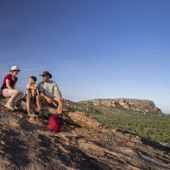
x=9 y=106
x=16 y=108
x=31 y=114
x=40 y=112
x=42 y=115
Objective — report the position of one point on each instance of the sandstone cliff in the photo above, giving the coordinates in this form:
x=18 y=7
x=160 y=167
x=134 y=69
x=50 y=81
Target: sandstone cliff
x=144 y=106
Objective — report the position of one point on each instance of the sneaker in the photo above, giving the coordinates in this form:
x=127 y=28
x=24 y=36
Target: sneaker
x=42 y=115
x=17 y=105
x=40 y=112
x=16 y=108
x=31 y=114
x=9 y=106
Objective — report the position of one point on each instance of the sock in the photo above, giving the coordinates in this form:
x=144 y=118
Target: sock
x=10 y=101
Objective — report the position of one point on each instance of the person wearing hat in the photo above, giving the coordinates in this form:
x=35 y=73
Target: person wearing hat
x=8 y=88
x=47 y=91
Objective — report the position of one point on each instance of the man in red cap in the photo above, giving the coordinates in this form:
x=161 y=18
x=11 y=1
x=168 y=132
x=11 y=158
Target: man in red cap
x=47 y=89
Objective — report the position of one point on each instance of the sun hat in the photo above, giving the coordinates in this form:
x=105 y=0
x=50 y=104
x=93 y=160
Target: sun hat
x=15 y=68
x=46 y=73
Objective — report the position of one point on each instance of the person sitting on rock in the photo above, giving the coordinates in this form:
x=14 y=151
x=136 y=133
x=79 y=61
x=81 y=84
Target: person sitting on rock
x=31 y=94
x=8 y=89
x=47 y=89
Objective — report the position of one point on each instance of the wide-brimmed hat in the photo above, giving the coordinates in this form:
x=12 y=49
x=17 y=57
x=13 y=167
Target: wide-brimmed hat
x=46 y=73
x=15 y=68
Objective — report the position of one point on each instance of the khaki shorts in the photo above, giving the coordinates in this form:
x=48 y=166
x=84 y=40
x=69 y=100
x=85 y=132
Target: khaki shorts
x=46 y=104
x=7 y=92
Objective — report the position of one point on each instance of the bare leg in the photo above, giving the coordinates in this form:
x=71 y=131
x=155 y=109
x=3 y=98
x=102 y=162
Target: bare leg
x=28 y=102
x=16 y=100
x=59 y=104
x=39 y=102
x=12 y=94
x=18 y=97
x=34 y=93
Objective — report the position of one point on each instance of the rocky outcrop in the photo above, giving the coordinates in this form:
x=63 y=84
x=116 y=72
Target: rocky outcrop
x=105 y=102
x=145 y=106
x=83 y=143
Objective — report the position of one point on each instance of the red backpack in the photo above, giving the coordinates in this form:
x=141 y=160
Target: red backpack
x=54 y=123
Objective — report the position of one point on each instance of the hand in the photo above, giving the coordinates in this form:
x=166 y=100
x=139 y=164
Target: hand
x=49 y=100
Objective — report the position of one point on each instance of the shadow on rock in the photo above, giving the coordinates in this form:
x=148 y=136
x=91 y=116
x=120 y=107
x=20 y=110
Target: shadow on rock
x=15 y=148
x=70 y=156
x=156 y=145
x=81 y=160
x=28 y=126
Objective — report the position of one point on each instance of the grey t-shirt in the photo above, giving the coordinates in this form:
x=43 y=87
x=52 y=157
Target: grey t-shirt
x=48 y=87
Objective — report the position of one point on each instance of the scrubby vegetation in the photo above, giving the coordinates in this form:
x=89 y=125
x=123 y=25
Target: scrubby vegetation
x=156 y=128
x=150 y=126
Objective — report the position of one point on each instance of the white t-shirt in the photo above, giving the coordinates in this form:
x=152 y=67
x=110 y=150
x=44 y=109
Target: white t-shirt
x=29 y=86
x=48 y=88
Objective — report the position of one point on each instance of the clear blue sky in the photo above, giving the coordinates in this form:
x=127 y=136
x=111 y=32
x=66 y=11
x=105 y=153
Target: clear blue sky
x=94 y=48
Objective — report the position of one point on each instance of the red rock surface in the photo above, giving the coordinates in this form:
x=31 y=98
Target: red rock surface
x=82 y=144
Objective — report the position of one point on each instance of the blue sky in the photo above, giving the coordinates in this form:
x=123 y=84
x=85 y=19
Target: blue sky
x=94 y=48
